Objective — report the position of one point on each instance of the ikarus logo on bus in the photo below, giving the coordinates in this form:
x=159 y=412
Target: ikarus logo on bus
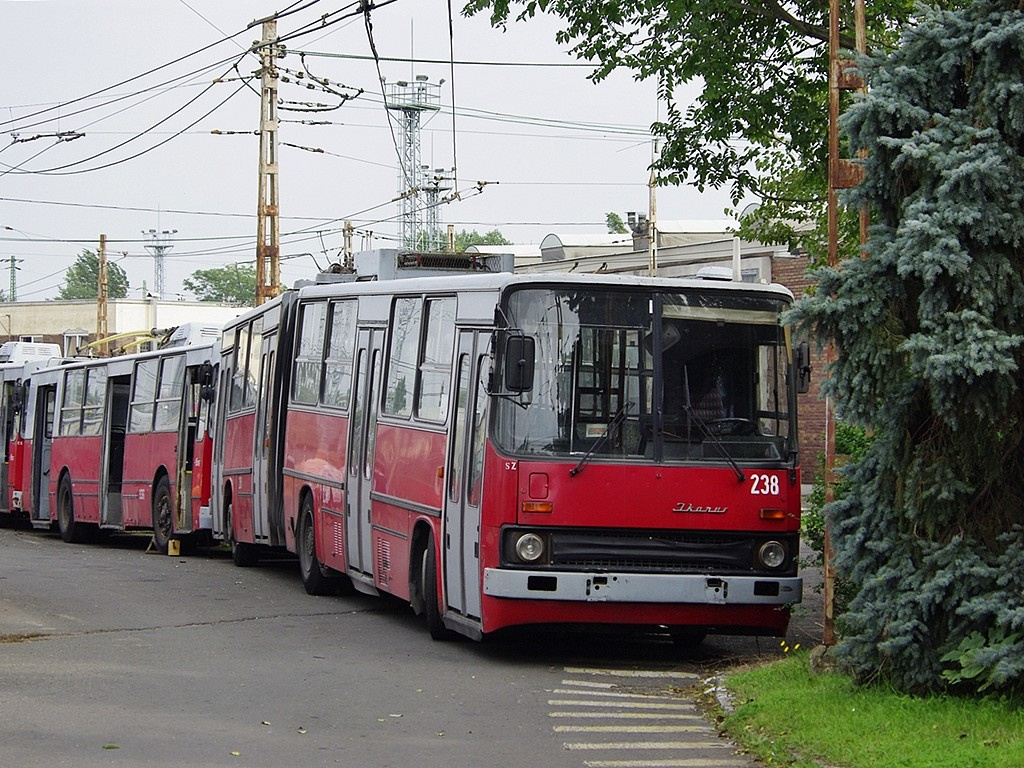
x=690 y=508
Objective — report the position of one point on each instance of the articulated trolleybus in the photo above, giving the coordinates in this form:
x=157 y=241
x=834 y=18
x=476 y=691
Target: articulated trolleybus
x=502 y=449
x=123 y=443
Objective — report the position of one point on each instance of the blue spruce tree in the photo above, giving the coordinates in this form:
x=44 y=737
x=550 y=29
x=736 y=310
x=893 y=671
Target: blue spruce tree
x=929 y=331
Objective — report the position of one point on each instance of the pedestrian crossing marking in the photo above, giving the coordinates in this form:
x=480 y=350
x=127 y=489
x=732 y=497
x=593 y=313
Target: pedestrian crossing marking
x=615 y=703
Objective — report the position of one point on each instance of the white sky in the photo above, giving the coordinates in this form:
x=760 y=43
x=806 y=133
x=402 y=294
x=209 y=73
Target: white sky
x=544 y=143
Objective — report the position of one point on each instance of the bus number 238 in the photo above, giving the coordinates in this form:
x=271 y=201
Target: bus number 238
x=765 y=485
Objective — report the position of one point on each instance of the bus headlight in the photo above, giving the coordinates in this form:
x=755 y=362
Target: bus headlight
x=771 y=554
x=529 y=547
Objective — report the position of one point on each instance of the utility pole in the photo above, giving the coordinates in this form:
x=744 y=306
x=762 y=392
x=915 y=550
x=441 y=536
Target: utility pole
x=101 y=298
x=842 y=174
x=268 y=242
x=158 y=245
x=652 y=227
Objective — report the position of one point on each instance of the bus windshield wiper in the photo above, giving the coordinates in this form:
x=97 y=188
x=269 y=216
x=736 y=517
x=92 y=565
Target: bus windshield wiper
x=617 y=419
x=707 y=430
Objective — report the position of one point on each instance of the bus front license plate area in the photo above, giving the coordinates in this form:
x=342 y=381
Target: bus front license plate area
x=716 y=591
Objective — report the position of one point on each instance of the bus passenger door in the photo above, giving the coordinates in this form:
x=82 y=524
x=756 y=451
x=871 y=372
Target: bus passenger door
x=463 y=494
x=188 y=427
x=46 y=402
x=262 y=487
x=115 y=428
x=362 y=439
x=7 y=417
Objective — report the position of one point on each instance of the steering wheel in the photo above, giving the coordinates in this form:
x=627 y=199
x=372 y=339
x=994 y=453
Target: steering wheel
x=733 y=426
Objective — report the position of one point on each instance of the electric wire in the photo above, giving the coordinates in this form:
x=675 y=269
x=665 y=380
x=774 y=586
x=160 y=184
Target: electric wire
x=61 y=170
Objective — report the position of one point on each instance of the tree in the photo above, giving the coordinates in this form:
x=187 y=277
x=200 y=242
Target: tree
x=928 y=330
x=232 y=284
x=82 y=279
x=615 y=224
x=465 y=238
x=759 y=124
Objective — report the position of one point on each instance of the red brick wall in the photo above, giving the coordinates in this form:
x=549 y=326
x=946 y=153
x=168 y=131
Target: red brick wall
x=792 y=273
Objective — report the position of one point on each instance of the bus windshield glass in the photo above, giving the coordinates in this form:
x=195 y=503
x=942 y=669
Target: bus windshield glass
x=643 y=375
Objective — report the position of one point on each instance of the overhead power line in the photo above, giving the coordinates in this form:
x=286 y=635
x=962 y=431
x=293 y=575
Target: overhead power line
x=446 y=62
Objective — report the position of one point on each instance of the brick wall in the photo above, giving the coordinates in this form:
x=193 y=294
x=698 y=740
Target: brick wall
x=792 y=273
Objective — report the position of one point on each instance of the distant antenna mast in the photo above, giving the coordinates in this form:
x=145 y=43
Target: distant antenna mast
x=159 y=244
x=411 y=99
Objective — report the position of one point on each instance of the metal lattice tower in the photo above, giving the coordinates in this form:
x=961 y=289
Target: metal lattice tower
x=433 y=184
x=411 y=99
x=158 y=245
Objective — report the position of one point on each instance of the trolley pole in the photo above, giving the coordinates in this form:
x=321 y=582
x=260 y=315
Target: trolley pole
x=268 y=243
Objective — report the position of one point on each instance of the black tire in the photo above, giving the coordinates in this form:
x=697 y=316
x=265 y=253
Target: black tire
x=313 y=578
x=70 y=531
x=243 y=555
x=687 y=639
x=431 y=595
x=163 y=515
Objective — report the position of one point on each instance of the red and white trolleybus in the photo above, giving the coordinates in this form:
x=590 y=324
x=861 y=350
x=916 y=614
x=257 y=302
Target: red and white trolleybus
x=124 y=442
x=18 y=361
x=502 y=449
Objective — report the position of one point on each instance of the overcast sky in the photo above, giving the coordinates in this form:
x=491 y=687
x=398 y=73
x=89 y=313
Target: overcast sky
x=557 y=151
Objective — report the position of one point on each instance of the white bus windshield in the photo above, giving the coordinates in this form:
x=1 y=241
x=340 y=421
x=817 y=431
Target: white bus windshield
x=632 y=374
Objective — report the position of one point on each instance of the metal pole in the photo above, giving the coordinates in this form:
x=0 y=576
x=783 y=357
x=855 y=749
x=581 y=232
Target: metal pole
x=842 y=174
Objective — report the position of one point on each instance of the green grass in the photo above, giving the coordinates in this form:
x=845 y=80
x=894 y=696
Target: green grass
x=786 y=716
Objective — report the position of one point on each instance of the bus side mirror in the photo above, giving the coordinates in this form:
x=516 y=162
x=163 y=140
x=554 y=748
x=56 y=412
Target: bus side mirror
x=18 y=394
x=803 y=367
x=206 y=390
x=520 y=354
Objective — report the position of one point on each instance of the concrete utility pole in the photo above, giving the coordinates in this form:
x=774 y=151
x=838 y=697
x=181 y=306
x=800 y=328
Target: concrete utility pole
x=268 y=241
x=101 y=298
x=158 y=246
x=842 y=174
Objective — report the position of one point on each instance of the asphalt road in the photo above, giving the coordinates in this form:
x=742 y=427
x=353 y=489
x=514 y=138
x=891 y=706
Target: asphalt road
x=113 y=657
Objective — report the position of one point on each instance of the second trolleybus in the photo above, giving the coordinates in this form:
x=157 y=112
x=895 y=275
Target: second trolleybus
x=501 y=449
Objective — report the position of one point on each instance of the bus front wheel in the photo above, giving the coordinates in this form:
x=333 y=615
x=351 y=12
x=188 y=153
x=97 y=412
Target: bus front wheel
x=431 y=595
x=243 y=555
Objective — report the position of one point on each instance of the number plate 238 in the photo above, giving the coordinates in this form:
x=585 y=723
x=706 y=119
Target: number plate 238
x=764 y=485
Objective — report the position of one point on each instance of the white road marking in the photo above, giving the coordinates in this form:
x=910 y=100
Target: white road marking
x=619 y=704
x=648 y=745
x=633 y=729
x=635 y=673
x=685 y=762
x=589 y=684
x=628 y=715
x=611 y=694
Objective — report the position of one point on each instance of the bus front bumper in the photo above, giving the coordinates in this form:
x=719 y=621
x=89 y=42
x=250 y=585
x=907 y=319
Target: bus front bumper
x=642 y=587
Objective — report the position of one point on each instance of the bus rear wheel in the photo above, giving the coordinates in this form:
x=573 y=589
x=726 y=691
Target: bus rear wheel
x=70 y=531
x=162 y=515
x=313 y=578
